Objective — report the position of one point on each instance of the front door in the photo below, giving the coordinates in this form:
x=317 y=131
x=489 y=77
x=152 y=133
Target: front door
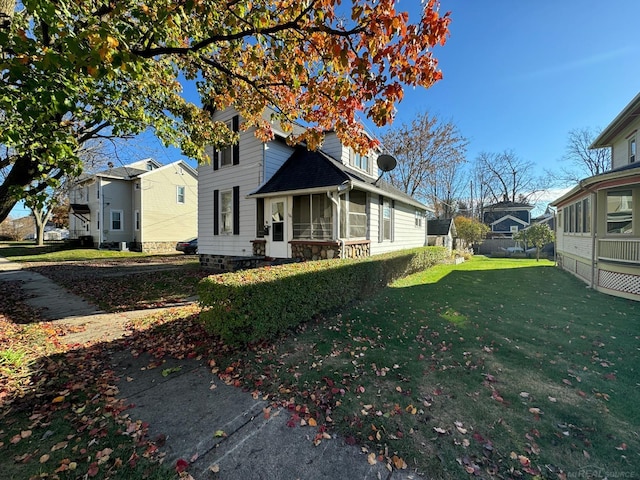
x=279 y=246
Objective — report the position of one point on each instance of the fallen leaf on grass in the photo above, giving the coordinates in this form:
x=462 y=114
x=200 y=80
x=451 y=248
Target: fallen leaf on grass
x=622 y=446
x=439 y=430
x=371 y=458
x=215 y=468
x=399 y=463
x=58 y=399
x=312 y=422
x=181 y=465
x=44 y=458
x=535 y=411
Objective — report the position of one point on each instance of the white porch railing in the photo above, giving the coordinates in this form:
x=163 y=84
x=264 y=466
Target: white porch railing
x=619 y=250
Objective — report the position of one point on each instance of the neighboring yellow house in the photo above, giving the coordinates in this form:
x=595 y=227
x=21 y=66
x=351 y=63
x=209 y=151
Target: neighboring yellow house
x=143 y=206
x=598 y=228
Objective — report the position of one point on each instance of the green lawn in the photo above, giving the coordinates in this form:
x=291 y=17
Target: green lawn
x=59 y=252
x=492 y=367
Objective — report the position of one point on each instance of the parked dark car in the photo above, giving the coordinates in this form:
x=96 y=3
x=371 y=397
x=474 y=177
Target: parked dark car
x=189 y=247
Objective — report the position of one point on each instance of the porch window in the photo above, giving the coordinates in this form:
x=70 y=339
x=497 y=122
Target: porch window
x=586 y=215
x=353 y=221
x=312 y=217
x=226 y=212
x=578 y=219
x=619 y=212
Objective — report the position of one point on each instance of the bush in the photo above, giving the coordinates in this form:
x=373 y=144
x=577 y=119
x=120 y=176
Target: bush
x=251 y=305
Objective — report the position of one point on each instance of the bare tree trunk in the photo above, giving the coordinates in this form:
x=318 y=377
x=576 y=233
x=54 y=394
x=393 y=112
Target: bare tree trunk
x=41 y=218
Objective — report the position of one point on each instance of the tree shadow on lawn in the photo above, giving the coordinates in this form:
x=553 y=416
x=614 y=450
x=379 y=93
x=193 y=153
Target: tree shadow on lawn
x=531 y=358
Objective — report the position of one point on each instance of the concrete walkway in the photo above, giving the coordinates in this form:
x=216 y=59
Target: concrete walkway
x=223 y=432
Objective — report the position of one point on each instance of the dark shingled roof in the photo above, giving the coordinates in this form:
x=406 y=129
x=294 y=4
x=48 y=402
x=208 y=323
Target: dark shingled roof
x=123 y=172
x=439 y=226
x=305 y=169
x=506 y=205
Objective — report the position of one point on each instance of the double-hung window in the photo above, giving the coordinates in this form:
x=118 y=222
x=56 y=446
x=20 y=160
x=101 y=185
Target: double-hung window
x=632 y=149
x=180 y=193
x=226 y=212
x=116 y=220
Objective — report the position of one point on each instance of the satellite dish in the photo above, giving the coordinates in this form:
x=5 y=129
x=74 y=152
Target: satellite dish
x=386 y=163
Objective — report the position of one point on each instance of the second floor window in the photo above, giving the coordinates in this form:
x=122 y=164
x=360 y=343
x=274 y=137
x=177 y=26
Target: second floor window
x=180 y=194
x=632 y=149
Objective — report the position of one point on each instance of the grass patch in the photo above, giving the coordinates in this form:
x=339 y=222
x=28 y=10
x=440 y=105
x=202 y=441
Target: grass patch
x=491 y=367
x=58 y=253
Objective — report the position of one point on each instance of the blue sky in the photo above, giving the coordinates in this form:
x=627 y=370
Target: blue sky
x=520 y=74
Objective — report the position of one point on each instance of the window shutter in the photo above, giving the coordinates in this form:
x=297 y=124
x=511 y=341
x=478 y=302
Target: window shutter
x=214 y=160
x=216 y=212
x=236 y=148
x=236 y=210
x=380 y=218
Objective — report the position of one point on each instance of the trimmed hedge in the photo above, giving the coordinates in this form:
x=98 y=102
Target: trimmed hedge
x=252 y=305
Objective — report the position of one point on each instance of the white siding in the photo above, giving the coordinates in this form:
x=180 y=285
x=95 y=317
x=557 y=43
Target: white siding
x=276 y=153
x=405 y=233
x=620 y=151
x=334 y=148
x=247 y=175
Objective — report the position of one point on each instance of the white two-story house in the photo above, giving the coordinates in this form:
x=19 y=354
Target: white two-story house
x=272 y=200
x=143 y=206
x=598 y=227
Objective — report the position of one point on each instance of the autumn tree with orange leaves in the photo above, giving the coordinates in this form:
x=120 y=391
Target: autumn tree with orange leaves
x=78 y=70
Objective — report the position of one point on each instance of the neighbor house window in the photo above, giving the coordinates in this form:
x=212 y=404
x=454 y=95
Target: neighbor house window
x=180 y=193
x=137 y=217
x=116 y=220
x=312 y=217
x=619 y=212
x=578 y=219
x=226 y=212
x=632 y=149
x=586 y=215
x=418 y=218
